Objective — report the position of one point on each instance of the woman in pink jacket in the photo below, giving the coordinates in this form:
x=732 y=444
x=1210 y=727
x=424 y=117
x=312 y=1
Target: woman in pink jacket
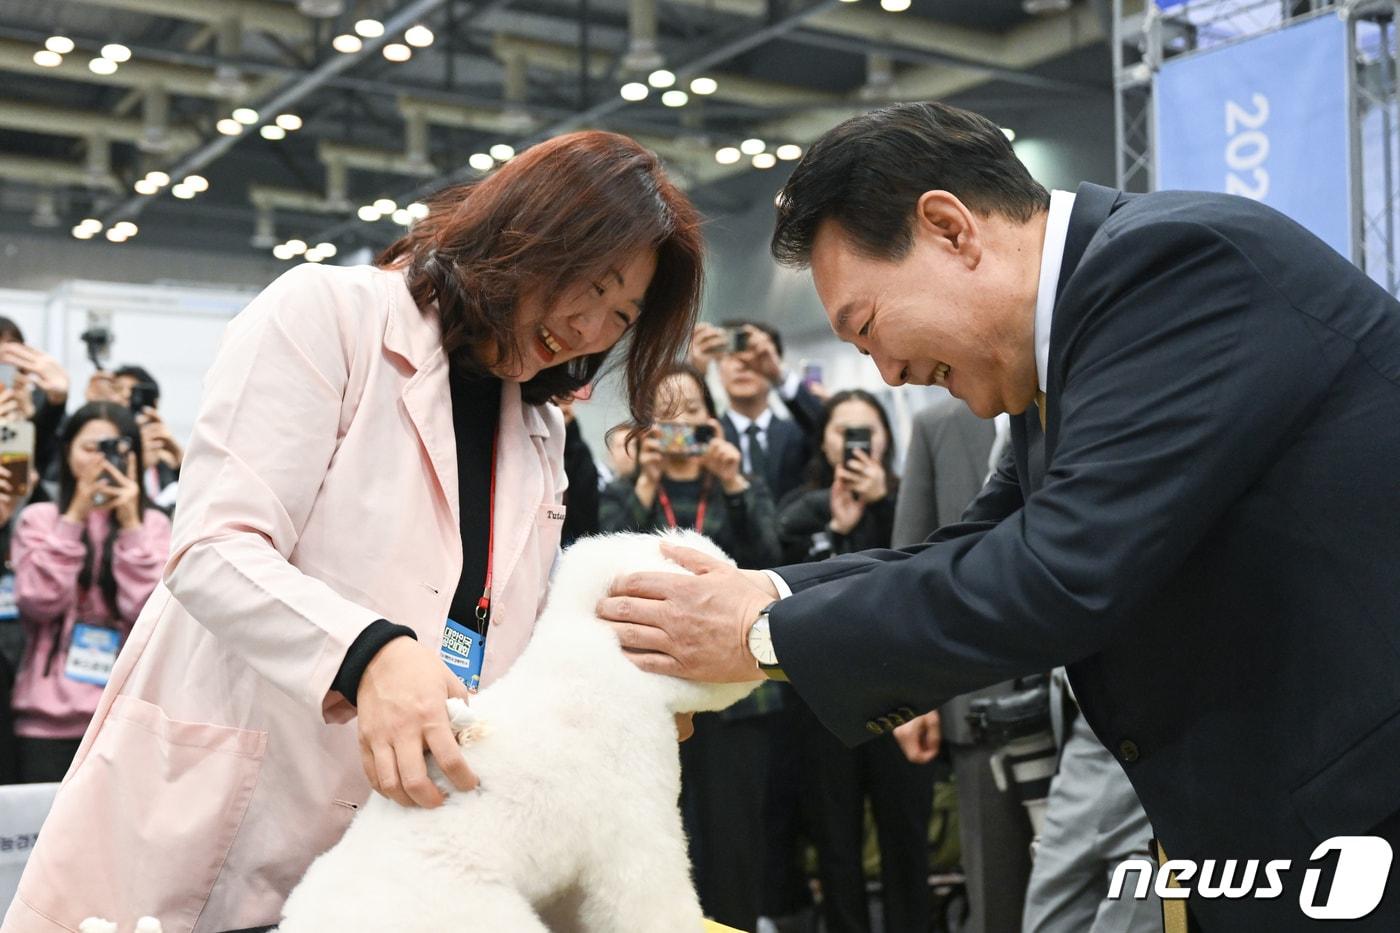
x=375 y=465
x=84 y=567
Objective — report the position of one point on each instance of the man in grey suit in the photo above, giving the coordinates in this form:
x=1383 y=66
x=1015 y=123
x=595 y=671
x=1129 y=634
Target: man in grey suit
x=944 y=470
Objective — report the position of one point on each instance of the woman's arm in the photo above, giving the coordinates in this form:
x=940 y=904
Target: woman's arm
x=620 y=510
x=137 y=558
x=754 y=524
x=262 y=443
x=803 y=514
x=48 y=556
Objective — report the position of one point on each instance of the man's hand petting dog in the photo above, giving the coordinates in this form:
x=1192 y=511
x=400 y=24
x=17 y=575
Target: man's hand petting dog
x=402 y=706
x=693 y=627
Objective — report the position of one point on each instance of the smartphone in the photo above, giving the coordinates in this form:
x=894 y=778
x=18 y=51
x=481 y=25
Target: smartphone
x=853 y=439
x=17 y=453
x=7 y=374
x=685 y=440
x=143 y=396
x=811 y=374
x=738 y=339
x=115 y=450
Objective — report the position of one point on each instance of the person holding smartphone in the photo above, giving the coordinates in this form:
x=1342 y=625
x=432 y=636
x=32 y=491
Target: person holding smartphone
x=84 y=567
x=847 y=505
x=375 y=462
x=687 y=476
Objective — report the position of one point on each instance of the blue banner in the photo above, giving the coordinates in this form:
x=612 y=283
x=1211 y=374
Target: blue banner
x=1265 y=118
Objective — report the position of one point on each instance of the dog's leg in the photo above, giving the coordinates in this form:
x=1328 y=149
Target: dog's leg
x=646 y=890
x=495 y=908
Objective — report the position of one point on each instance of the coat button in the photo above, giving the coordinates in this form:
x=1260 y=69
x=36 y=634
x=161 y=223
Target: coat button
x=885 y=724
x=873 y=726
x=897 y=719
x=1128 y=751
x=906 y=712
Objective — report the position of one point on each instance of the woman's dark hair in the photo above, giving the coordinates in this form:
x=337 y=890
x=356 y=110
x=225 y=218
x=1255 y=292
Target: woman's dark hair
x=868 y=173
x=820 y=473
x=120 y=418
x=559 y=214
x=685 y=369
x=10 y=332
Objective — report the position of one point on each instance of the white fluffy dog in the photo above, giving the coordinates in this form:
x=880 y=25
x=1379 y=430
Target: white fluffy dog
x=575 y=825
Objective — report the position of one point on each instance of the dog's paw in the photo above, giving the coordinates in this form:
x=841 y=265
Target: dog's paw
x=467 y=726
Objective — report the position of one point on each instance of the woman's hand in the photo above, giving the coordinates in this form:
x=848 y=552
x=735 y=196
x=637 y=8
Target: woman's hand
x=707 y=343
x=125 y=498
x=722 y=460
x=45 y=371
x=402 y=711
x=157 y=443
x=866 y=476
x=89 y=492
x=11 y=408
x=9 y=497
x=846 y=509
x=920 y=738
x=649 y=463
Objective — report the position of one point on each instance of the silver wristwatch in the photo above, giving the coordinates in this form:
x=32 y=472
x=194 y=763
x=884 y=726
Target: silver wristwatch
x=761 y=639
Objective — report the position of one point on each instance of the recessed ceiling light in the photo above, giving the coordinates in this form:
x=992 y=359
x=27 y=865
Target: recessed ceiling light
x=894 y=6
x=125 y=228
x=502 y=152
x=229 y=126
x=47 y=58
x=661 y=78
x=102 y=66
x=158 y=177
x=481 y=161
x=289 y=121
x=368 y=214
x=385 y=205
x=196 y=183
x=397 y=52
x=296 y=246
x=84 y=233
x=62 y=45
x=789 y=152
x=418 y=210
x=752 y=146
x=634 y=91
x=401 y=217
x=703 y=86
x=145 y=186
x=281 y=251
x=326 y=249
x=419 y=36
x=116 y=236
x=273 y=131
x=727 y=156
x=369 y=28
x=245 y=115
x=765 y=160
x=675 y=98
x=346 y=44
x=1009 y=133
x=92 y=223
x=116 y=52
x=313 y=254
x=183 y=191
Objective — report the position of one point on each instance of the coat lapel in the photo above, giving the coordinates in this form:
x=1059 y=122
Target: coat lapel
x=519 y=482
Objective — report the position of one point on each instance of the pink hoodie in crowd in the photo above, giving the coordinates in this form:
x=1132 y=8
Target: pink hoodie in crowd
x=47 y=554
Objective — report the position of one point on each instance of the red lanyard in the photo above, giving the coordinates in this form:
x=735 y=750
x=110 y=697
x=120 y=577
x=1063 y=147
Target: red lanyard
x=483 y=605
x=699 y=510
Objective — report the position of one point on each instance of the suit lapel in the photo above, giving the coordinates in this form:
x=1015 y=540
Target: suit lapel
x=519 y=482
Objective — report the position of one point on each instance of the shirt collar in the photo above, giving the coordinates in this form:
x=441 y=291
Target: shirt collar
x=1052 y=255
x=741 y=422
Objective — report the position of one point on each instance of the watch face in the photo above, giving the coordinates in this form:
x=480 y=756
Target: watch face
x=761 y=642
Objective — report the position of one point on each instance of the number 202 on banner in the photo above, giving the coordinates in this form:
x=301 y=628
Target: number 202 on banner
x=1246 y=148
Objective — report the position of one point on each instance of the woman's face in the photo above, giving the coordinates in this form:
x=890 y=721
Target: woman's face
x=591 y=317
x=680 y=399
x=853 y=413
x=85 y=457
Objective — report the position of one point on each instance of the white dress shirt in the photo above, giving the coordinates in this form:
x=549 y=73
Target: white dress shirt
x=741 y=425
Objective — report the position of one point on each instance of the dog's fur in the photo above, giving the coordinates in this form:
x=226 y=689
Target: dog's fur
x=575 y=824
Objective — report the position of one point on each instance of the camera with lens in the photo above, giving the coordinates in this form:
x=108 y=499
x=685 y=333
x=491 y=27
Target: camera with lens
x=1017 y=725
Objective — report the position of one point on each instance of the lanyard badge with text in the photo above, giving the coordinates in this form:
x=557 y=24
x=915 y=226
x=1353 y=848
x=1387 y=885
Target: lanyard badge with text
x=464 y=649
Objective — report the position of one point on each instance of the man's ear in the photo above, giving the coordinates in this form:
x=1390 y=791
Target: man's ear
x=949 y=226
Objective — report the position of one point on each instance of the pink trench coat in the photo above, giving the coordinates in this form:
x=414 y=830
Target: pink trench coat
x=319 y=494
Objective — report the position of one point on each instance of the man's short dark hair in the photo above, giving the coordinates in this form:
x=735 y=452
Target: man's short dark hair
x=140 y=374
x=772 y=332
x=868 y=173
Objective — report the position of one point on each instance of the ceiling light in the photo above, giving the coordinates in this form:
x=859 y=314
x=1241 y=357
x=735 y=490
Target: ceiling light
x=102 y=66
x=326 y=249
x=158 y=177
x=116 y=52
x=125 y=228
x=183 y=191
x=296 y=246
x=765 y=160
x=245 y=115
x=345 y=43
x=417 y=210
x=229 y=126
x=313 y=255
x=894 y=6
x=752 y=146
x=369 y=28
x=385 y=205
x=1009 y=133
x=789 y=152
x=196 y=183
x=703 y=86
x=281 y=251
x=84 y=233
x=47 y=58
x=419 y=36
x=289 y=121
x=146 y=186
x=675 y=98
x=60 y=45
x=727 y=156
x=401 y=217
x=481 y=161
x=848 y=1
x=634 y=91
x=502 y=152
x=368 y=214
x=397 y=52
x=661 y=78
x=273 y=131
x=116 y=236
x=91 y=223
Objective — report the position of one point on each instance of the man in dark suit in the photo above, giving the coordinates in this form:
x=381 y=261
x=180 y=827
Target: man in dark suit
x=1198 y=518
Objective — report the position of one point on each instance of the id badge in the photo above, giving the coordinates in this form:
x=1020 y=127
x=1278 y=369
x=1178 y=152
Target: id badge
x=9 y=609
x=92 y=654
x=463 y=651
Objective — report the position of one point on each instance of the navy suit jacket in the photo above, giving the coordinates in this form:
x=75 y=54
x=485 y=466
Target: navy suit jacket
x=788 y=453
x=1208 y=534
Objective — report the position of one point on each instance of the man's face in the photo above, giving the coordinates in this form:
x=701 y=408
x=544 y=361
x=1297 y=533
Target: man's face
x=740 y=380
x=957 y=310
